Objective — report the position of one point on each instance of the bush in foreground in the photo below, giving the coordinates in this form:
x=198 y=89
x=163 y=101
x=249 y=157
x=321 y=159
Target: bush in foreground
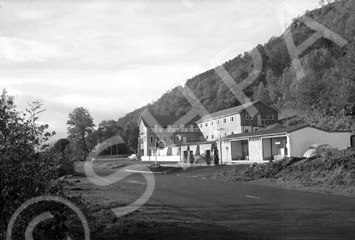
x=28 y=166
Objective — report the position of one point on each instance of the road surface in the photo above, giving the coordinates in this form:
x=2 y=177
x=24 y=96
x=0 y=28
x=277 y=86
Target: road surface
x=265 y=212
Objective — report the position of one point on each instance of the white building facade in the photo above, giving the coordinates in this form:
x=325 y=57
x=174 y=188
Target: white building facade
x=166 y=128
x=274 y=144
x=249 y=117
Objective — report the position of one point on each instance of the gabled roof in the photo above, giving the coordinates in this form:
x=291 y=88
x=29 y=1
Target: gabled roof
x=230 y=111
x=273 y=131
x=151 y=121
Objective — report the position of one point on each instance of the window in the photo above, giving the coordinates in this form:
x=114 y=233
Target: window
x=225 y=134
x=217 y=121
x=231 y=119
x=269 y=117
x=211 y=123
x=247 y=117
x=212 y=137
x=151 y=139
x=206 y=124
x=201 y=125
x=224 y=120
x=263 y=122
x=206 y=137
x=246 y=130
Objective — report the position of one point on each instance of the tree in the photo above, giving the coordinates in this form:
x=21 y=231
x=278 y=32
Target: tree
x=280 y=82
x=81 y=125
x=28 y=167
x=262 y=94
x=106 y=130
x=61 y=144
x=131 y=138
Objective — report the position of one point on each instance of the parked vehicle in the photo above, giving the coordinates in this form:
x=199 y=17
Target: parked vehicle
x=316 y=149
x=133 y=157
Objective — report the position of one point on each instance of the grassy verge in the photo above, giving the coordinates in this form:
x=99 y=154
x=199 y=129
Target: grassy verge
x=332 y=171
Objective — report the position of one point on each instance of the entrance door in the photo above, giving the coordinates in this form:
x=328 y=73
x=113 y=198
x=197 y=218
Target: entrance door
x=267 y=149
x=259 y=119
x=208 y=156
x=245 y=150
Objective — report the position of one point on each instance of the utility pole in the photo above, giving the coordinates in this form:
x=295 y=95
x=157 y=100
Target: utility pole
x=220 y=141
x=179 y=137
x=156 y=151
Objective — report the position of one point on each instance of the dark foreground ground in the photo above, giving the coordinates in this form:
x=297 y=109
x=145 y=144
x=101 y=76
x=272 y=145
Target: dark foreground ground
x=188 y=204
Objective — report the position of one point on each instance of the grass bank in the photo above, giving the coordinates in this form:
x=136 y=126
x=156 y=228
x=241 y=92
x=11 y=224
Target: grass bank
x=332 y=171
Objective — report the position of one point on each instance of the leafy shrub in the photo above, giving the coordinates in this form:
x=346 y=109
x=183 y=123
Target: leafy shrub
x=28 y=166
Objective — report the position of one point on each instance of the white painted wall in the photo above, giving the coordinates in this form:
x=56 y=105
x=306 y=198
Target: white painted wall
x=255 y=149
x=161 y=158
x=143 y=135
x=226 y=154
x=300 y=140
x=228 y=127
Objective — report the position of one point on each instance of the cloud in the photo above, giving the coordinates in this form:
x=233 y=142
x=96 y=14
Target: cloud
x=188 y=3
x=114 y=56
x=88 y=34
x=107 y=94
x=102 y=103
x=112 y=34
x=19 y=50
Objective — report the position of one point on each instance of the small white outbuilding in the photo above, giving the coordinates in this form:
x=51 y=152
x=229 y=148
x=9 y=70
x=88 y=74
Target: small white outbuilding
x=273 y=144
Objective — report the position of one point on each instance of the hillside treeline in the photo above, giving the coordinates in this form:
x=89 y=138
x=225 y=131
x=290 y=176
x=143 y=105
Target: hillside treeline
x=325 y=96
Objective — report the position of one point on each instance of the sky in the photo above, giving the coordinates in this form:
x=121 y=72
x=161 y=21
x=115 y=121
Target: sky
x=115 y=56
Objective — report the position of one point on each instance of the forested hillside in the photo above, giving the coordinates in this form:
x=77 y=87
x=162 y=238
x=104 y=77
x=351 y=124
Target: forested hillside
x=325 y=96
